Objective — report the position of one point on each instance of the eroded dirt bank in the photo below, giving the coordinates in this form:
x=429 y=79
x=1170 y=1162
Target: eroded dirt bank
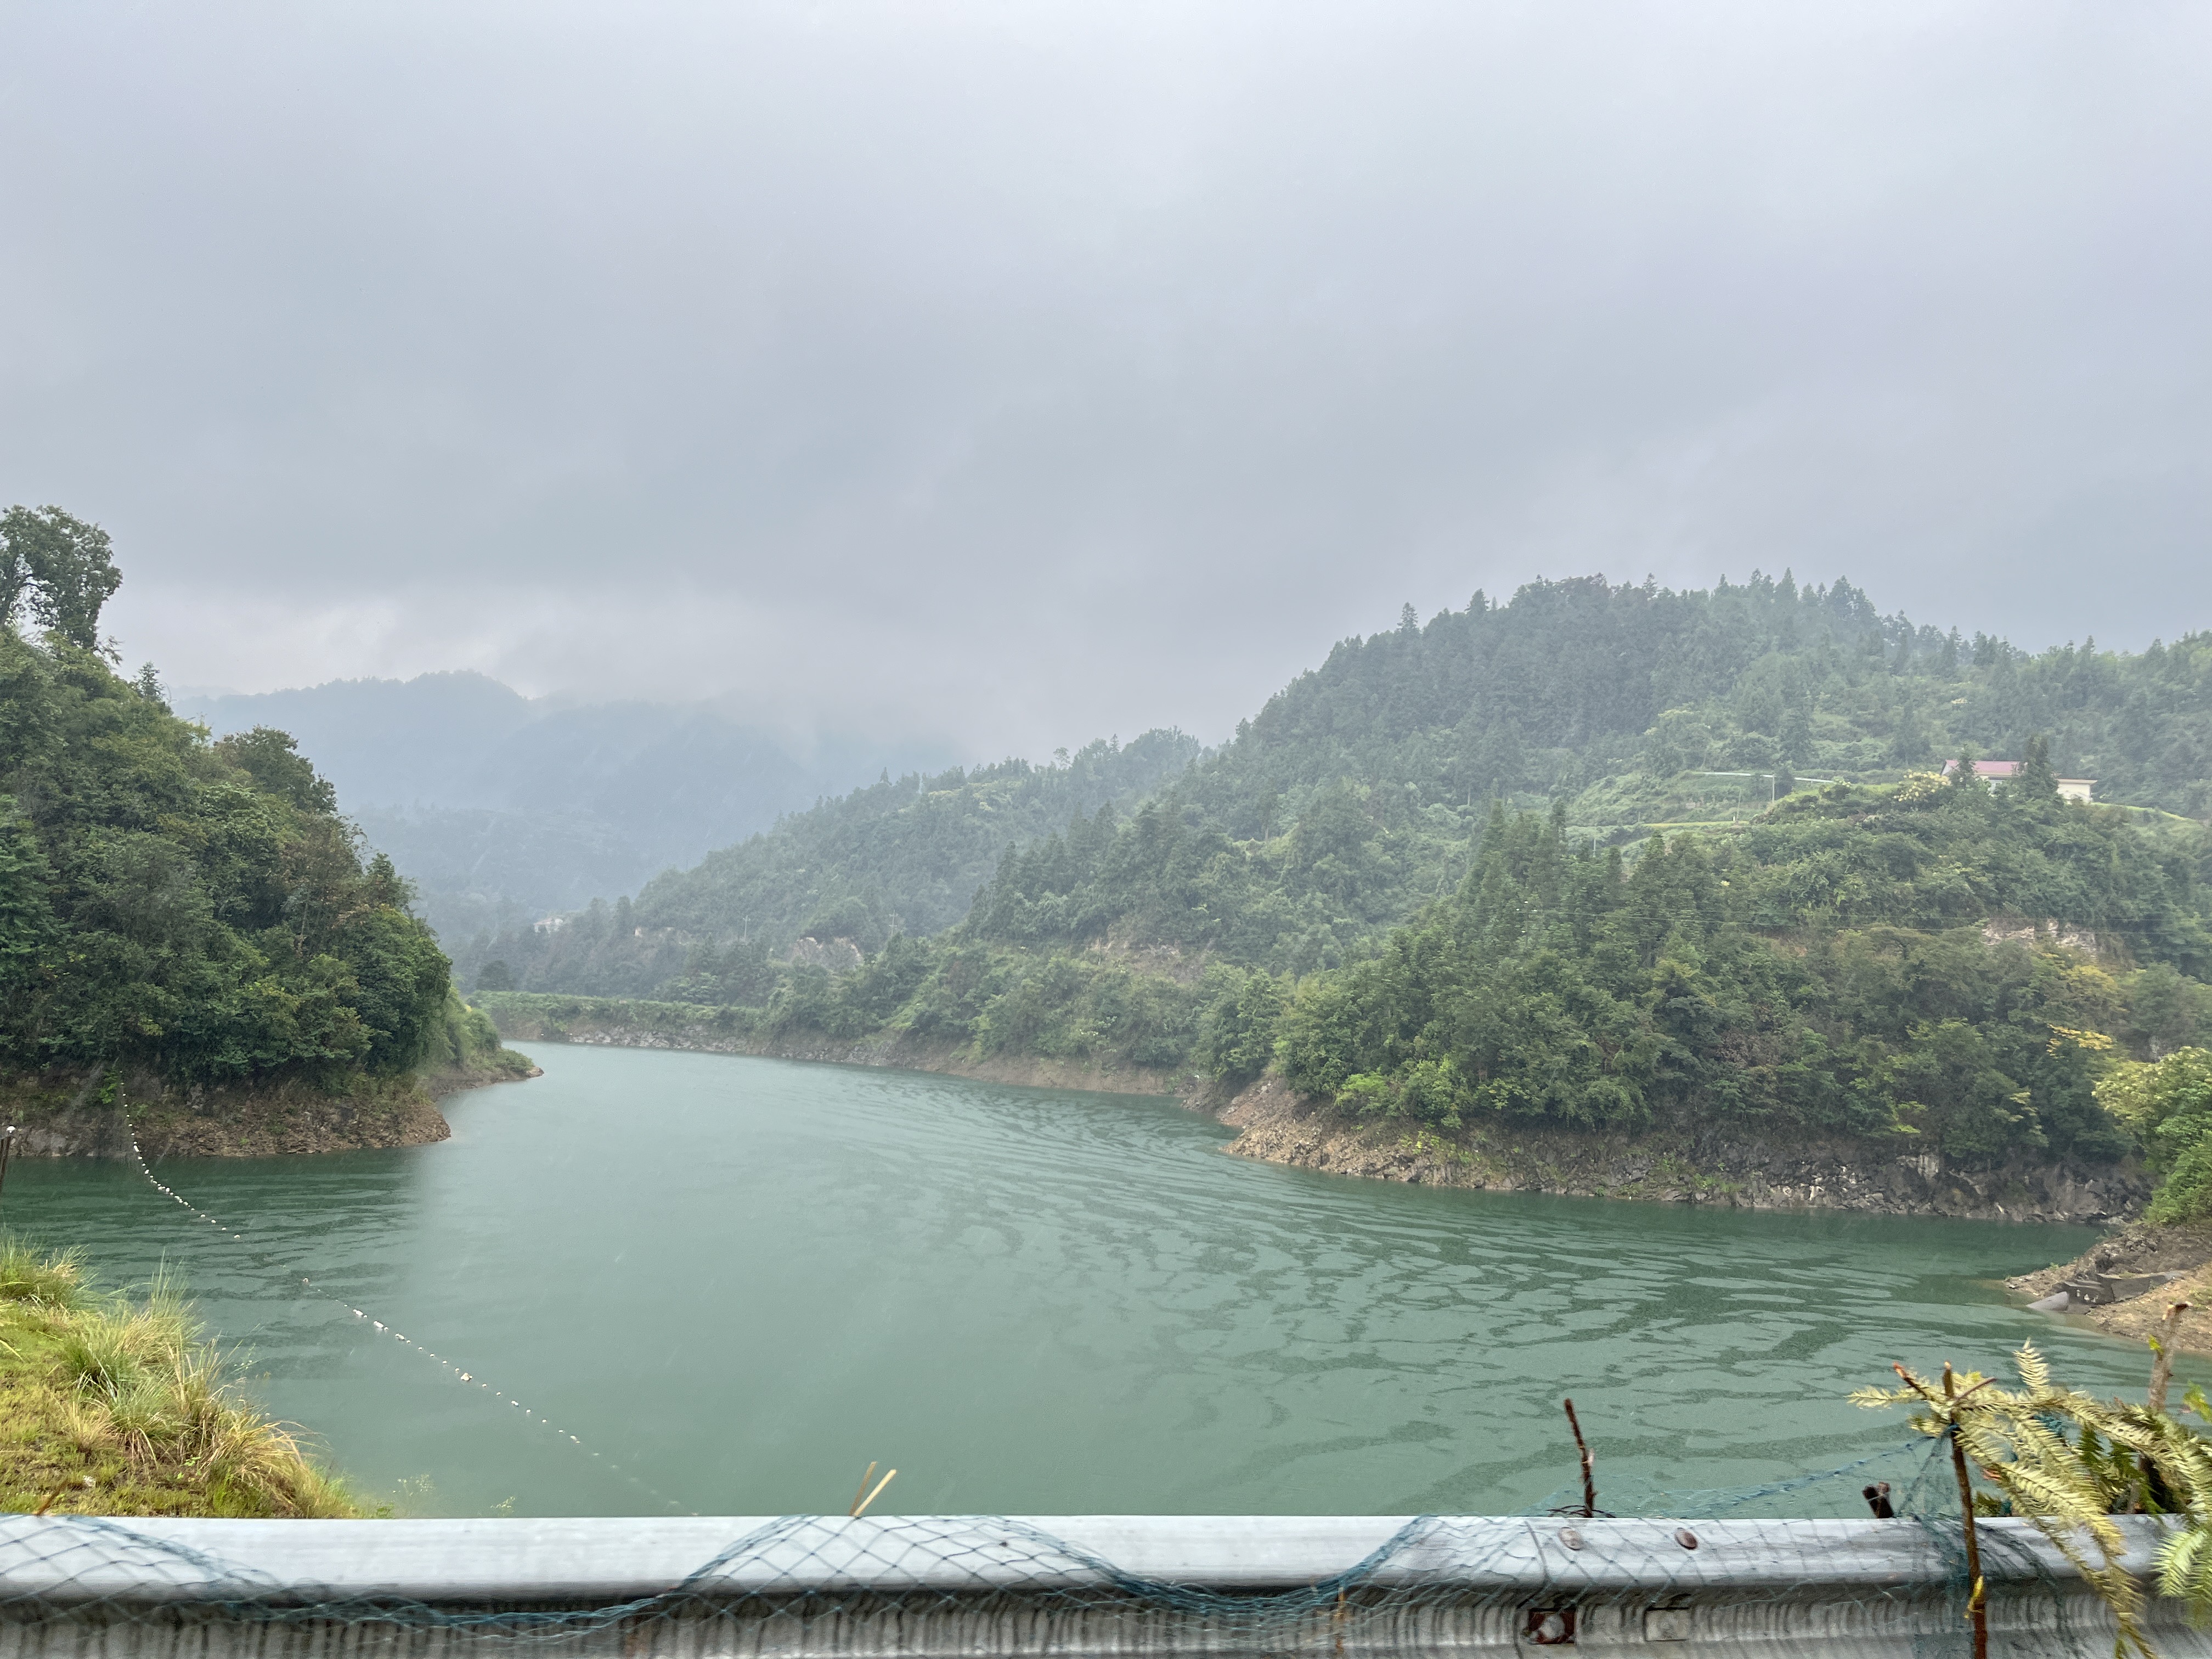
x=1743 y=1171
x=96 y=1113
x=2123 y=1285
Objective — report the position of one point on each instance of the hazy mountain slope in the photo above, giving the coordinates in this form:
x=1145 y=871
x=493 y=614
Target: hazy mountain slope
x=479 y=867
x=899 y=857
x=438 y=739
x=503 y=809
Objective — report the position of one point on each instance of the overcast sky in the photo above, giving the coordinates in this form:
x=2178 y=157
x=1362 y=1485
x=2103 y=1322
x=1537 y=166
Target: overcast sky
x=1021 y=372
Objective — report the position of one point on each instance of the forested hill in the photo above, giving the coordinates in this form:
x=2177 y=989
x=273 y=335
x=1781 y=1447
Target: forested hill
x=175 y=911
x=903 y=856
x=1940 y=960
x=1355 y=794
x=1834 y=941
x=1937 y=967
x=1577 y=682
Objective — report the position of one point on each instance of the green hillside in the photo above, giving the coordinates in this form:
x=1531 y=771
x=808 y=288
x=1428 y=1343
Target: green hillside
x=1944 y=960
x=901 y=857
x=1354 y=796
x=192 y=912
x=1606 y=857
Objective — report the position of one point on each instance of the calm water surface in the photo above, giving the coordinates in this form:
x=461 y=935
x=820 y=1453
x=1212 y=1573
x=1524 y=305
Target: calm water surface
x=742 y=1279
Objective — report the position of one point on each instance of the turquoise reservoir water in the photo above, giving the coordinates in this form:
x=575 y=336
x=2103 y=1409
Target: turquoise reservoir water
x=742 y=1279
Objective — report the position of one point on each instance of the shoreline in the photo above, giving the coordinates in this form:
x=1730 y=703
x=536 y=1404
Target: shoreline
x=1733 y=1169
x=899 y=1053
x=95 y=1115
x=1742 y=1172
x=2123 y=1285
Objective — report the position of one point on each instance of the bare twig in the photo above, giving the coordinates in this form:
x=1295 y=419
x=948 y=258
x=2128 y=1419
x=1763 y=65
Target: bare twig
x=2161 y=1365
x=1977 y=1609
x=1589 y=1482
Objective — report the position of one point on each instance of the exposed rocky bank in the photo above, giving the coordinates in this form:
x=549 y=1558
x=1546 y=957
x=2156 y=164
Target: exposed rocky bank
x=96 y=1113
x=2125 y=1284
x=1730 y=1168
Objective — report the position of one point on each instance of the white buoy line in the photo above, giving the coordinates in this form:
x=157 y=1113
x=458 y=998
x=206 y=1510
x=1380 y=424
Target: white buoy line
x=386 y=1329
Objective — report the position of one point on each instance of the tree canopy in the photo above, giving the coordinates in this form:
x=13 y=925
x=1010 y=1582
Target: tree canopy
x=57 y=571
x=1933 y=961
x=196 y=909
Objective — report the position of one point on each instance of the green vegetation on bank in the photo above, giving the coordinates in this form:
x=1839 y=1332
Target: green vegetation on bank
x=986 y=1000
x=113 y=1407
x=198 y=908
x=171 y=907
x=1551 y=861
x=1868 y=963
x=2168 y=1104
x=464 y=1046
x=552 y=1017
x=1945 y=967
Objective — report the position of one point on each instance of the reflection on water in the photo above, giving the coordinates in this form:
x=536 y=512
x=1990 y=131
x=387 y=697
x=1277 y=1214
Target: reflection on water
x=745 y=1279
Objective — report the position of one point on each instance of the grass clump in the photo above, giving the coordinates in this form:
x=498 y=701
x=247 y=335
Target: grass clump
x=36 y=1280
x=112 y=1406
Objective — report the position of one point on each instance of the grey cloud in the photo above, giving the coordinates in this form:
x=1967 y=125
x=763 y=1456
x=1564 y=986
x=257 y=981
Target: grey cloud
x=1027 y=372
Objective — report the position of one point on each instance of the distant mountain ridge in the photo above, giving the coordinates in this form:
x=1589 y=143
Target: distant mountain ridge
x=503 y=808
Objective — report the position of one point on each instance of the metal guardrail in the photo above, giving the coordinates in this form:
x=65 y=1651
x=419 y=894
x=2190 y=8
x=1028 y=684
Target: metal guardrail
x=973 y=1586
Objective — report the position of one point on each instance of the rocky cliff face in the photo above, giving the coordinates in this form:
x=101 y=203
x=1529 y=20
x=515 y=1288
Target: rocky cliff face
x=1705 y=1167
x=835 y=955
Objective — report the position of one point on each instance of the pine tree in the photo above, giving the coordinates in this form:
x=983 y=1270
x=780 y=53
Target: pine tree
x=2035 y=783
x=2068 y=1463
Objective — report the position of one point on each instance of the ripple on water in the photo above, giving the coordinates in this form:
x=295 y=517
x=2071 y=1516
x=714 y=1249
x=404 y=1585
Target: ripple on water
x=745 y=1279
